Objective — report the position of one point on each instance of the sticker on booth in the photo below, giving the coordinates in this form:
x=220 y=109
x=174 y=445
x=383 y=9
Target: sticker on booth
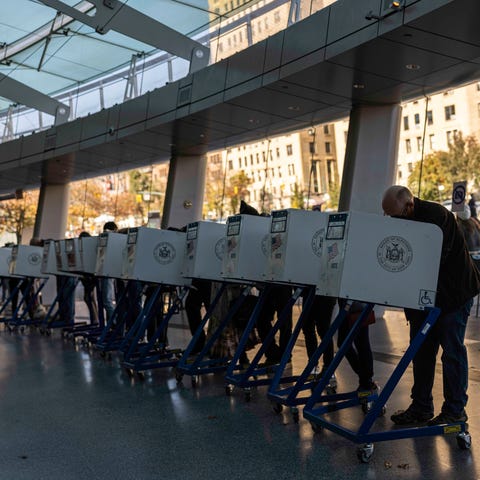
x=394 y=254
x=317 y=242
x=164 y=253
x=220 y=249
x=34 y=259
x=426 y=298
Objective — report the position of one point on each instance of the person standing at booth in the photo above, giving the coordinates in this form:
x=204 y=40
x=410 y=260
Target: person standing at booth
x=458 y=284
x=107 y=284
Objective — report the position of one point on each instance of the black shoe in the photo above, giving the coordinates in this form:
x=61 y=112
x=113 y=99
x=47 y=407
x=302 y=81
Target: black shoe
x=410 y=417
x=445 y=418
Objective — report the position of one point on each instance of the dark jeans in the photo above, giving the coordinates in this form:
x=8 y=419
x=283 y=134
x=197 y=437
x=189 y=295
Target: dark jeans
x=449 y=333
x=197 y=295
x=66 y=299
x=359 y=355
x=275 y=302
x=318 y=318
x=89 y=283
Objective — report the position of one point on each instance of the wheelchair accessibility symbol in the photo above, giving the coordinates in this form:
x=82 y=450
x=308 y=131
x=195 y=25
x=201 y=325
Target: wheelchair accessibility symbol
x=426 y=298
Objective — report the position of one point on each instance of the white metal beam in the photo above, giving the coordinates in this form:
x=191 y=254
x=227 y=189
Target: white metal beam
x=116 y=15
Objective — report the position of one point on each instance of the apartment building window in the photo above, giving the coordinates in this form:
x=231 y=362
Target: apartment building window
x=251 y=159
x=289 y=150
x=311 y=147
x=278 y=152
x=429 y=117
x=326 y=129
x=419 y=144
x=433 y=143
x=408 y=145
x=450 y=112
x=293 y=169
x=258 y=157
x=328 y=147
x=399 y=174
x=280 y=172
x=416 y=119
x=273 y=172
x=410 y=167
x=478 y=86
x=264 y=157
x=276 y=16
x=478 y=109
x=230 y=164
x=452 y=136
x=406 y=126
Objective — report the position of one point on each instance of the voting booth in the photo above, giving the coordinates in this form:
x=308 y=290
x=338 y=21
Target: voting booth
x=27 y=261
x=61 y=258
x=49 y=259
x=204 y=250
x=86 y=257
x=110 y=254
x=5 y=259
x=296 y=244
x=247 y=248
x=153 y=255
x=381 y=260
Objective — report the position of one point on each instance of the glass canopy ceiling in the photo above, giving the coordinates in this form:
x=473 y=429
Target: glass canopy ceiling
x=69 y=60
x=75 y=53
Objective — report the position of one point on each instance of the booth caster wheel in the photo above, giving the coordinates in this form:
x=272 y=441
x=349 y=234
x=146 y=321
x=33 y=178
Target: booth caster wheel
x=464 y=441
x=367 y=406
x=295 y=414
x=316 y=427
x=194 y=381
x=277 y=408
x=365 y=452
x=228 y=390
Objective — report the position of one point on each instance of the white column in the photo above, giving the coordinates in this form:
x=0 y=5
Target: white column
x=371 y=157
x=52 y=211
x=185 y=191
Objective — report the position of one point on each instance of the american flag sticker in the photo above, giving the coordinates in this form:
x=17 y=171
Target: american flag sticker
x=332 y=251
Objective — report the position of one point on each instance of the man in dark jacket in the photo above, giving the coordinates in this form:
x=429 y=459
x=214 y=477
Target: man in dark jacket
x=458 y=284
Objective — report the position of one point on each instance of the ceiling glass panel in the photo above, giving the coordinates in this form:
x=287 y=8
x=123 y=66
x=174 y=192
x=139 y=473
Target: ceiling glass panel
x=74 y=57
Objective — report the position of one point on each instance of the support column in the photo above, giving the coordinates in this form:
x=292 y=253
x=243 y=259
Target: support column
x=185 y=191
x=370 y=157
x=52 y=211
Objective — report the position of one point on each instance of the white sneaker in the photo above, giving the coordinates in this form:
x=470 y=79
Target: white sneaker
x=315 y=371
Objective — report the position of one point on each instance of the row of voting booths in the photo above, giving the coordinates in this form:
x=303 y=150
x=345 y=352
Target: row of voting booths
x=350 y=255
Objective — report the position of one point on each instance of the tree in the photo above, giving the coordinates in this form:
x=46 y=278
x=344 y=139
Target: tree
x=237 y=189
x=19 y=214
x=442 y=169
x=297 y=199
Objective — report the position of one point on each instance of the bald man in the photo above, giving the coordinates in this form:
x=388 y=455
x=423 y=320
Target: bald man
x=458 y=284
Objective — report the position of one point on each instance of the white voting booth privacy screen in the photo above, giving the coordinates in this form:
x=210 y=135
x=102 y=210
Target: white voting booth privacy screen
x=296 y=238
x=5 y=259
x=61 y=258
x=110 y=254
x=26 y=261
x=87 y=250
x=380 y=260
x=204 y=250
x=247 y=248
x=153 y=255
x=49 y=259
